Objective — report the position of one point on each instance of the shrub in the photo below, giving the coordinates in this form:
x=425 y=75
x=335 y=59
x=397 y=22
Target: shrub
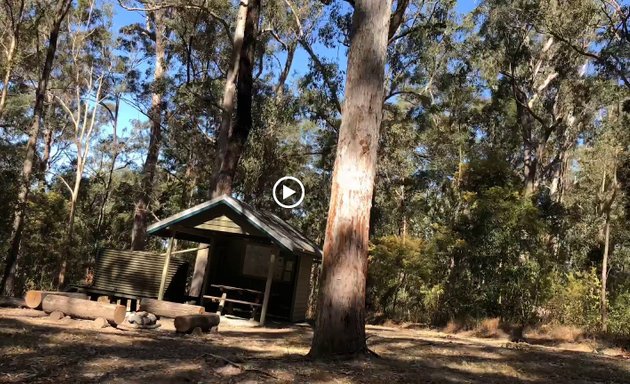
x=619 y=315
x=575 y=300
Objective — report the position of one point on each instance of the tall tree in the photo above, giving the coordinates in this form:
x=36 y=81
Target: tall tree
x=89 y=65
x=159 y=34
x=7 y=282
x=233 y=134
x=340 y=322
x=15 y=11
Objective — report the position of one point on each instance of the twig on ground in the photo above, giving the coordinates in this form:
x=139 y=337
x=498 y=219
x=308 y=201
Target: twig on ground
x=239 y=366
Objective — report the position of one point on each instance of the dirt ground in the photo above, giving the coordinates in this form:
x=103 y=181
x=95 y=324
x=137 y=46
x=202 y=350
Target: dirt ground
x=37 y=349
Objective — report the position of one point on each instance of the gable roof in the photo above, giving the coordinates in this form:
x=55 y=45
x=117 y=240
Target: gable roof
x=278 y=230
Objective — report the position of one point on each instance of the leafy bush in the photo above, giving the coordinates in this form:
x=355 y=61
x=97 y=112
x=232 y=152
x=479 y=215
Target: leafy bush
x=398 y=279
x=575 y=300
x=619 y=315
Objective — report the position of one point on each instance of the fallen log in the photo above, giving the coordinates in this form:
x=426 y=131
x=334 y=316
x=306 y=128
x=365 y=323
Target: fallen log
x=84 y=309
x=169 y=309
x=34 y=299
x=187 y=323
x=12 y=302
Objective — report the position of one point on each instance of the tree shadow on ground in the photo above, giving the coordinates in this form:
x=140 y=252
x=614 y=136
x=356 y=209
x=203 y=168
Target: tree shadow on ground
x=63 y=352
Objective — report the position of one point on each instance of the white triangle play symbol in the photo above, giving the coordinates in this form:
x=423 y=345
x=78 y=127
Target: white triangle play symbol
x=287 y=192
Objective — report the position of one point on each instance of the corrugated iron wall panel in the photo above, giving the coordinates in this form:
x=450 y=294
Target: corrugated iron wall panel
x=139 y=273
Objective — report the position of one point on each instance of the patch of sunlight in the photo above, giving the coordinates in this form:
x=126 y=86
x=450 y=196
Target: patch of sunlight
x=481 y=368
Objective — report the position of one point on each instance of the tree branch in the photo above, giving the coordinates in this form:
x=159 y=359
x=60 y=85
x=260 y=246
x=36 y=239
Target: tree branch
x=222 y=21
x=332 y=87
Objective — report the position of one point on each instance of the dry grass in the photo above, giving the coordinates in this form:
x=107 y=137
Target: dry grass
x=490 y=328
x=36 y=349
x=562 y=333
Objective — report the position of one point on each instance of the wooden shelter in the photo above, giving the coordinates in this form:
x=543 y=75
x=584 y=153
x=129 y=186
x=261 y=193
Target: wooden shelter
x=250 y=259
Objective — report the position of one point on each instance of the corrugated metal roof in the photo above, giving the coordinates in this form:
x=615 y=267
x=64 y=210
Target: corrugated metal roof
x=278 y=230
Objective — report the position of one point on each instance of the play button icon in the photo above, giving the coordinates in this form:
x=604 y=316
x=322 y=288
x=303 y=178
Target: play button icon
x=287 y=192
x=289 y=198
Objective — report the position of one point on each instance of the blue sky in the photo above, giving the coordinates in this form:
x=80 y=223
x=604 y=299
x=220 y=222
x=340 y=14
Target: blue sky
x=123 y=17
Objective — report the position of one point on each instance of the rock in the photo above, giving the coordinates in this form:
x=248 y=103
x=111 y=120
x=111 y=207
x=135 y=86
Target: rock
x=135 y=319
x=56 y=315
x=197 y=332
x=100 y=323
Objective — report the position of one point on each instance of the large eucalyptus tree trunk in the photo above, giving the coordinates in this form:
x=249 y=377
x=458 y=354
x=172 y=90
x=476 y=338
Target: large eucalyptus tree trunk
x=138 y=234
x=7 y=282
x=340 y=322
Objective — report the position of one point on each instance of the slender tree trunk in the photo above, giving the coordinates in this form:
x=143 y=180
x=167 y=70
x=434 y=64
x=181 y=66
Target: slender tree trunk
x=138 y=234
x=110 y=173
x=402 y=207
x=48 y=141
x=221 y=180
x=16 y=15
x=7 y=283
x=604 y=302
x=7 y=74
x=74 y=197
x=340 y=325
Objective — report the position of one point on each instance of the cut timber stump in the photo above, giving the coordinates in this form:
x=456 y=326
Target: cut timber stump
x=169 y=309
x=186 y=324
x=84 y=309
x=34 y=299
x=100 y=322
x=56 y=315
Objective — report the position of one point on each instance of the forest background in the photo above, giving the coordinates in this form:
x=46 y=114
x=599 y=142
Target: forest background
x=503 y=167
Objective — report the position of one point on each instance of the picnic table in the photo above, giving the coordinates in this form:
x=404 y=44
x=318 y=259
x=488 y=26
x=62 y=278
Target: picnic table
x=236 y=296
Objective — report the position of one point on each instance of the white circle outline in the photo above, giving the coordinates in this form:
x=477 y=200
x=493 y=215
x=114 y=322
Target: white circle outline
x=275 y=186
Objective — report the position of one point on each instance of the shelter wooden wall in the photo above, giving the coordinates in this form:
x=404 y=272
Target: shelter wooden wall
x=302 y=289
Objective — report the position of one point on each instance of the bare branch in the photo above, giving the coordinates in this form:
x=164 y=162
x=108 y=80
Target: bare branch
x=332 y=87
x=203 y=7
x=297 y=19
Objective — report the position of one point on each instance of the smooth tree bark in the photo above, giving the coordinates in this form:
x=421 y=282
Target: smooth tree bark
x=606 y=209
x=15 y=13
x=81 y=105
x=83 y=131
x=115 y=152
x=603 y=295
x=138 y=233
x=340 y=321
x=12 y=259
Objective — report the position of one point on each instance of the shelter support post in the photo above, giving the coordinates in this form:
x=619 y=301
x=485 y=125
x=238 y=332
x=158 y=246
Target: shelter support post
x=167 y=261
x=200 y=274
x=272 y=263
